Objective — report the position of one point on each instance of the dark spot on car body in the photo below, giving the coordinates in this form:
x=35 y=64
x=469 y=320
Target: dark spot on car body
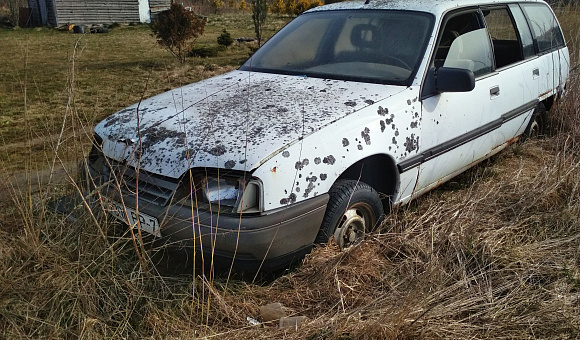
x=365 y=134
x=382 y=111
x=230 y=164
x=329 y=160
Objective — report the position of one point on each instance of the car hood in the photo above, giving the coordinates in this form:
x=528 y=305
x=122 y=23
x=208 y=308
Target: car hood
x=235 y=121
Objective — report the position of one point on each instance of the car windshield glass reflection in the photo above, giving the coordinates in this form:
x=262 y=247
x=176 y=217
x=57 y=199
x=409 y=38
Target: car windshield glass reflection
x=371 y=46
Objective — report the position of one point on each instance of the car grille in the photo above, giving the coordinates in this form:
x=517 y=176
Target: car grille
x=150 y=187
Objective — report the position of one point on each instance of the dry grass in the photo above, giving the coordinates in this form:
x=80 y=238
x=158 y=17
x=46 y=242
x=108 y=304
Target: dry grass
x=495 y=253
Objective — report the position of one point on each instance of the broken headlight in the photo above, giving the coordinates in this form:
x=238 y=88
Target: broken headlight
x=227 y=193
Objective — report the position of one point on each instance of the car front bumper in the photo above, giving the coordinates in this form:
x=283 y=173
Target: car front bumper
x=266 y=241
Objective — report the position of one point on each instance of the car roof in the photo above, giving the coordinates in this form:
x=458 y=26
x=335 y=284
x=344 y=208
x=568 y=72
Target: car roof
x=437 y=7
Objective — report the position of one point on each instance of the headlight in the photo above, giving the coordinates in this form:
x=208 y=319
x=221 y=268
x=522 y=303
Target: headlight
x=230 y=192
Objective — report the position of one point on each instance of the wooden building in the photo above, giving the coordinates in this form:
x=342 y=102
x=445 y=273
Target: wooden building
x=94 y=12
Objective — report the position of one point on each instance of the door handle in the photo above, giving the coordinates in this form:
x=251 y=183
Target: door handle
x=494 y=91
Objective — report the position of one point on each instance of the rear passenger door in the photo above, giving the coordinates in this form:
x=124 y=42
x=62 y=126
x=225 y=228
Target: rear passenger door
x=553 y=64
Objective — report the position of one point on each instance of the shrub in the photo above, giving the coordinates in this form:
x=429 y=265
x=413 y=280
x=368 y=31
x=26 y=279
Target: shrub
x=225 y=39
x=205 y=51
x=177 y=29
x=278 y=7
x=290 y=7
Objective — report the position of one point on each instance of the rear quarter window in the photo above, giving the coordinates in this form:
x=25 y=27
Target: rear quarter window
x=544 y=26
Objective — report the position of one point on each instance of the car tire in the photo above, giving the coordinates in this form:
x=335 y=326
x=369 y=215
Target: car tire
x=353 y=209
x=537 y=126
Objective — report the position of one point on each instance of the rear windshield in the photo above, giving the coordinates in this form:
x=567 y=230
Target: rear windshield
x=384 y=47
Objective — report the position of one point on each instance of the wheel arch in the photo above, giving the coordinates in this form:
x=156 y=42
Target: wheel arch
x=378 y=171
x=548 y=102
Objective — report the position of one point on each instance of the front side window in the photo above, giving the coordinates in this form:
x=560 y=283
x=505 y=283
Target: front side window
x=544 y=26
x=464 y=44
x=375 y=46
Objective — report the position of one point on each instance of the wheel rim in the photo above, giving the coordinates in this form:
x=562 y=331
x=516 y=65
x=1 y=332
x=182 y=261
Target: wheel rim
x=353 y=224
x=535 y=129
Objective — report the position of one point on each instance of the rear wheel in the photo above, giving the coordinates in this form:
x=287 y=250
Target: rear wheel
x=537 y=126
x=353 y=209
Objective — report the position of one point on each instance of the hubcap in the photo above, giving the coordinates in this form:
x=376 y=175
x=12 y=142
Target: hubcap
x=535 y=129
x=353 y=224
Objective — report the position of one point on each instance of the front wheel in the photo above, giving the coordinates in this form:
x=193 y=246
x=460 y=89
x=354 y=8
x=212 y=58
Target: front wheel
x=353 y=209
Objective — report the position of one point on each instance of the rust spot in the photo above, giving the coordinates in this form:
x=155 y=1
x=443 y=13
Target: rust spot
x=546 y=93
x=274 y=169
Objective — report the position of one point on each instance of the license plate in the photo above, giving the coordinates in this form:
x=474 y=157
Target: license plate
x=148 y=223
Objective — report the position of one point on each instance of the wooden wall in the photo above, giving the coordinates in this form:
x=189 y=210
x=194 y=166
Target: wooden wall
x=157 y=6
x=87 y=12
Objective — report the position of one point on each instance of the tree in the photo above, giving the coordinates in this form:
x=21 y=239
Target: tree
x=243 y=5
x=225 y=39
x=177 y=29
x=217 y=5
x=259 y=13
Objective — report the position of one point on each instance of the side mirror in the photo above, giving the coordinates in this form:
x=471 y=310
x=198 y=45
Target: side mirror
x=451 y=79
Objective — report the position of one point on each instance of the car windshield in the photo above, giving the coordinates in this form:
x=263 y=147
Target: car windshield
x=378 y=46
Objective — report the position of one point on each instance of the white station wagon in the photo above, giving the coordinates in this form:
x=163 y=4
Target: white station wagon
x=349 y=109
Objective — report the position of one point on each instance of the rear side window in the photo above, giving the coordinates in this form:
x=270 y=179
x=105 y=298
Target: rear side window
x=506 y=44
x=544 y=26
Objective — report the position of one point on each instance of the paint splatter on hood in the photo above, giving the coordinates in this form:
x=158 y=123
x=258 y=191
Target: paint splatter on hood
x=233 y=121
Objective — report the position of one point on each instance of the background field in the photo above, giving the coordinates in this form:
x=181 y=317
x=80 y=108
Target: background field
x=495 y=253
